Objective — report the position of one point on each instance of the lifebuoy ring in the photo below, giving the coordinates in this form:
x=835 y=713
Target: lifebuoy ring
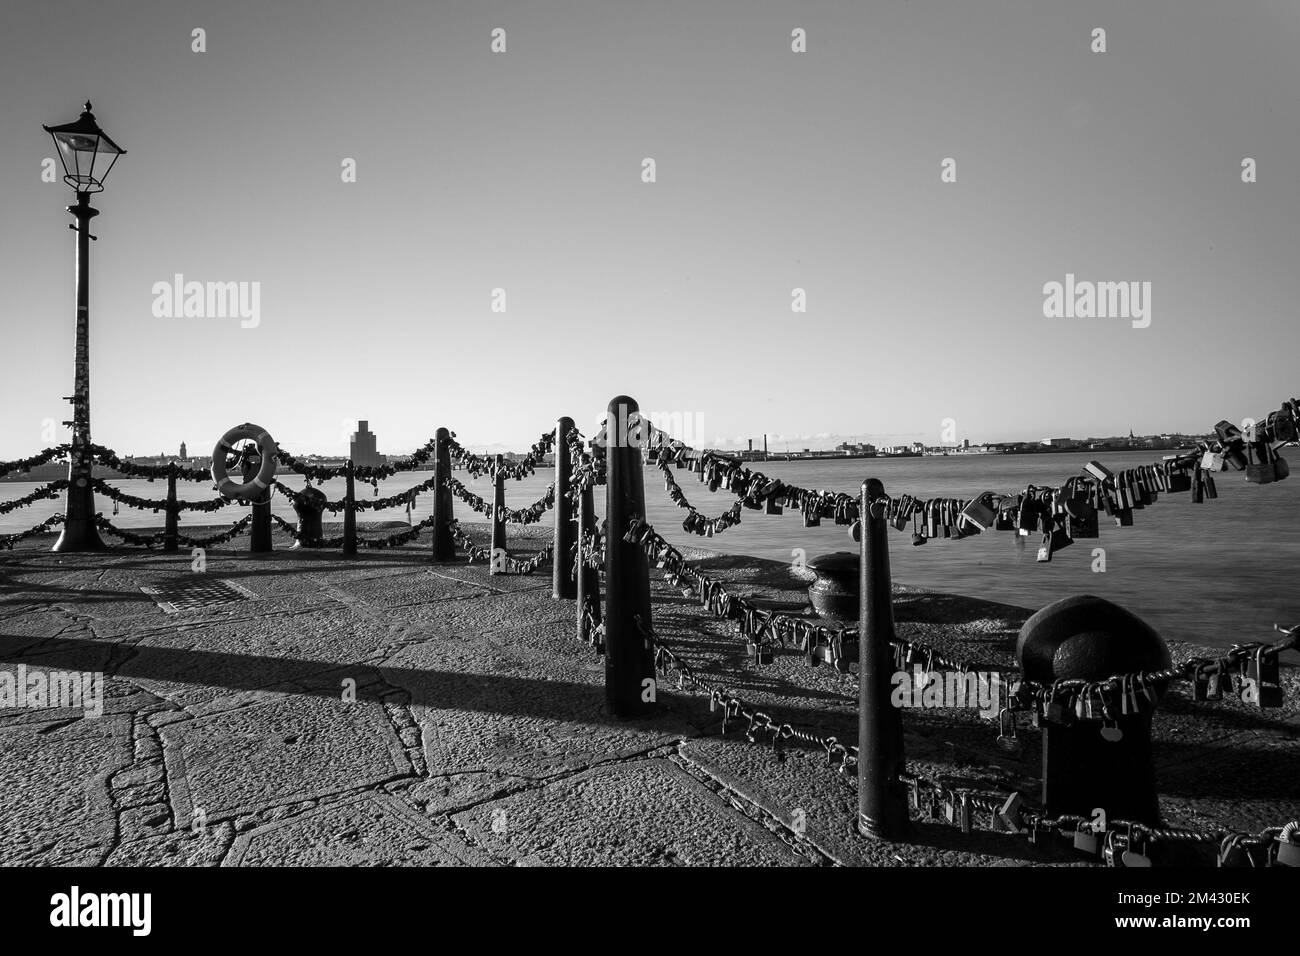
x=266 y=447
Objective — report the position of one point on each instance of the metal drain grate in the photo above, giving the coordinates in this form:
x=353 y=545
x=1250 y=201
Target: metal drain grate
x=176 y=596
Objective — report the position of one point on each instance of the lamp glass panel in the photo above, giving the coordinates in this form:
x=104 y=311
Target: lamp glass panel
x=86 y=158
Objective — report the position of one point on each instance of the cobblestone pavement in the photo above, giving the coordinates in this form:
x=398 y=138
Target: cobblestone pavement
x=304 y=708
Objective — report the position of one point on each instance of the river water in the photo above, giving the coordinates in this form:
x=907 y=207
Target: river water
x=1220 y=572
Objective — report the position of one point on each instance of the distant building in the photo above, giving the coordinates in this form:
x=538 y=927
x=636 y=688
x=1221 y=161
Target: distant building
x=183 y=455
x=362 y=450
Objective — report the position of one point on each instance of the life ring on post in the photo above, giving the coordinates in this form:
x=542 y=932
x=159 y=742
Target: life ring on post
x=266 y=448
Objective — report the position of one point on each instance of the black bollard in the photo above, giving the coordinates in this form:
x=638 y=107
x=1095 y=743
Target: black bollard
x=350 y=510
x=444 y=545
x=629 y=656
x=259 y=531
x=882 y=798
x=310 y=508
x=498 y=519
x=171 y=528
x=563 y=584
x=1089 y=638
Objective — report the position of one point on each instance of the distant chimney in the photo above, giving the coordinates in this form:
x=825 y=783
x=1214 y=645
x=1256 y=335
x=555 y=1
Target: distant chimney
x=751 y=445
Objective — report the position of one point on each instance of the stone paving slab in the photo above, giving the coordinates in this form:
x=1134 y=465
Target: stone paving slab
x=56 y=807
x=510 y=716
x=247 y=759
x=373 y=829
x=642 y=813
x=182 y=847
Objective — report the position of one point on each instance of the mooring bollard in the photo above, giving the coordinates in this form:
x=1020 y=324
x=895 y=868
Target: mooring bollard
x=882 y=798
x=588 y=579
x=350 y=510
x=310 y=508
x=444 y=545
x=1096 y=764
x=259 y=532
x=563 y=584
x=498 y=519
x=171 y=529
x=629 y=658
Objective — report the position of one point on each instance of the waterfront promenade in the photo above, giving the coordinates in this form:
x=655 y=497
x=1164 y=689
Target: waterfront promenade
x=304 y=708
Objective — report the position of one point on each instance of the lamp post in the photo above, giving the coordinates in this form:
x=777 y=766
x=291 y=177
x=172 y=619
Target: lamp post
x=87 y=155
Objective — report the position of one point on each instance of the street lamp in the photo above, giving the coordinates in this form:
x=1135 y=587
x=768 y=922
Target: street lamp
x=87 y=155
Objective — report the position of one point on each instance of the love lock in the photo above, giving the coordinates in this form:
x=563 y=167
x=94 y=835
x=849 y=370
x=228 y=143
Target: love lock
x=1008 y=742
x=1085 y=839
x=1288 y=852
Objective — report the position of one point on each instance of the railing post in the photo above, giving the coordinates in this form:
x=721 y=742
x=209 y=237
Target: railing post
x=629 y=657
x=350 y=511
x=498 y=563
x=171 y=531
x=882 y=800
x=259 y=531
x=563 y=585
x=259 y=541
x=588 y=579
x=444 y=545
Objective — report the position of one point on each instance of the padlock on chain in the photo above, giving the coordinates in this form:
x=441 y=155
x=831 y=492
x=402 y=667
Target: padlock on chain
x=1259 y=464
x=1261 y=679
x=1124 y=850
x=1287 y=851
x=1201 y=683
x=979 y=513
x=1085 y=840
x=1230 y=438
x=1281 y=469
x=1007 y=510
x=1006 y=819
x=1216 y=677
x=904 y=516
x=1081 y=520
x=1177 y=476
x=1045 y=548
x=1057 y=710
x=1008 y=742
x=964 y=812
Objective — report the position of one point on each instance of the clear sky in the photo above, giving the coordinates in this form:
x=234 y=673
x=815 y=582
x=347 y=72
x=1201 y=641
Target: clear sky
x=775 y=170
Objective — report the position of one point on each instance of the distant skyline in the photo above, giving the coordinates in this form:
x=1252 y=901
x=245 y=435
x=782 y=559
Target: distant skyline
x=775 y=442
x=775 y=171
